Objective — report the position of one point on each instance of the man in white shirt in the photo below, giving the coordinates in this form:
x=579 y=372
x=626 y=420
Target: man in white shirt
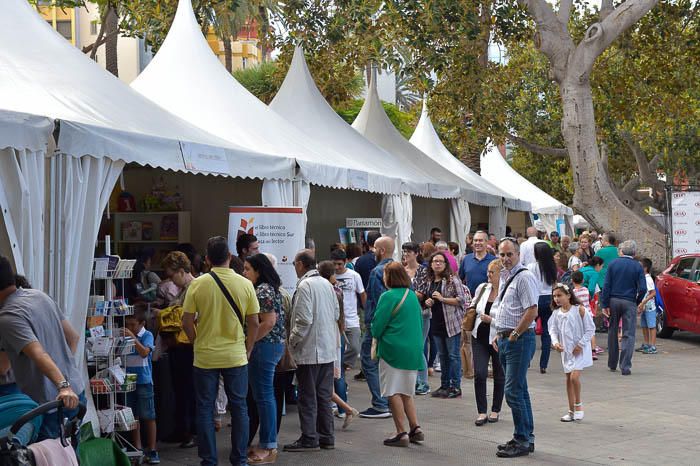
x=351 y=284
x=527 y=249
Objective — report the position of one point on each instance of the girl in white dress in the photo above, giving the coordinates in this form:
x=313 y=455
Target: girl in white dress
x=571 y=329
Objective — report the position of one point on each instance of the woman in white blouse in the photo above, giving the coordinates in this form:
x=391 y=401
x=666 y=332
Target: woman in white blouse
x=483 y=336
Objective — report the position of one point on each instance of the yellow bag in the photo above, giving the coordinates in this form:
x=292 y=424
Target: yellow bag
x=170 y=321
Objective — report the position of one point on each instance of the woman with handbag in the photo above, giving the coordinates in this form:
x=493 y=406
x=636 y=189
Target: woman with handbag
x=446 y=297
x=397 y=329
x=482 y=326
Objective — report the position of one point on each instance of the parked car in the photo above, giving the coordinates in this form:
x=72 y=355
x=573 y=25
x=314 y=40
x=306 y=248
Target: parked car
x=679 y=286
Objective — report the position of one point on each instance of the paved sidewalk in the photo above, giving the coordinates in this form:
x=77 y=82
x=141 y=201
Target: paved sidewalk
x=648 y=418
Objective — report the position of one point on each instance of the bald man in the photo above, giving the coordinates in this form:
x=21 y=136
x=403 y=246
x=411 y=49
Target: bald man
x=527 y=249
x=383 y=250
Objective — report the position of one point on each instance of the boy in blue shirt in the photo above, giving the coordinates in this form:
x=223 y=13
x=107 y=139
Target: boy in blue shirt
x=141 y=401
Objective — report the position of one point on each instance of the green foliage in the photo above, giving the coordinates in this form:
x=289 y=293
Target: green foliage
x=405 y=122
x=261 y=80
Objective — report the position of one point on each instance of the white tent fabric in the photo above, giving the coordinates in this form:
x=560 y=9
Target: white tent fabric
x=496 y=170
x=42 y=74
x=498 y=217
x=186 y=78
x=460 y=221
x=397 y=218
x=23 y=144
x=302 y=104
x=373 y=123
x=483 y=193
x=287 y=193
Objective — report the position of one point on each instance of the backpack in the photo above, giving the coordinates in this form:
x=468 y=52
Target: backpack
x=659 y=301
x=566 y=279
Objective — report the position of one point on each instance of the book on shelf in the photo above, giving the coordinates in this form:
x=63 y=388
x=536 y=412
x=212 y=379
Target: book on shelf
x=132 y=230
x=169 y=228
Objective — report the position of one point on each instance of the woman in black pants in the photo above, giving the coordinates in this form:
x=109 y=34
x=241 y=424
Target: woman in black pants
x=483 y=336
x=545 y=272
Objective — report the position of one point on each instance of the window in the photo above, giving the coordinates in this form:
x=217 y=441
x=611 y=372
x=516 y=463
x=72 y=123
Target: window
x=93 y=27
x=684 y=269
x=65 y=29
x=244 y=62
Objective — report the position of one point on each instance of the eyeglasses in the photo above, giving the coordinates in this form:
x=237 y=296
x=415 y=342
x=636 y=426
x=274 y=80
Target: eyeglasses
x=506 y=254
x=508 y=238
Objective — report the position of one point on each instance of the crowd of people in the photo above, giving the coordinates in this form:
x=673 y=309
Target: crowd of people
x=237 y=342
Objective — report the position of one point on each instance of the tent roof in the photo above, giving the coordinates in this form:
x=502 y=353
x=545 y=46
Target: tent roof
x=300 y=101
x=42 y=74
x=189 y=80
x=373 y=123
x=24 y=131
x=495 y=169
x=427 y=140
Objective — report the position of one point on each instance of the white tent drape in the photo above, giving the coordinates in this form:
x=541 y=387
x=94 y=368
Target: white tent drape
x=460 y=221
x=397 y=219
x=287 y=193
x=497 y=220
x=22 y=195
x=80 y=191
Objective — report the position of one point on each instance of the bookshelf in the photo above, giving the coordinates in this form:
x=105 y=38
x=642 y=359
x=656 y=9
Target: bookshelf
x=161 y=231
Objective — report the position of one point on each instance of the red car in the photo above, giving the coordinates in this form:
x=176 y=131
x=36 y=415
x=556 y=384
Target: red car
x=679 y=286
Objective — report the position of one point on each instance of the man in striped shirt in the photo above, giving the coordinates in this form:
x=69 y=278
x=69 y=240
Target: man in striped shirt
x=515 y=323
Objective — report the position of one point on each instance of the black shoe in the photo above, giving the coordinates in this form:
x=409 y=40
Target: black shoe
x=399 y=440
x=481 y=421
x=327 y=446
x=188 y=444
x=626 y=372
x=360 y=376
x=503 y=446
x=454 y=393
x=513 y=451
x=299 y=446
x=440 y=393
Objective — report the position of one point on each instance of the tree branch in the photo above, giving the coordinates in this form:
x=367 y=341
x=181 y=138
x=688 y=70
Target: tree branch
x=552 y=38
x=606 y=7
x=564 y=12
x=600 y=35
x=95 y=45
x=100 y=35
x=645 y=173
x=538 y=149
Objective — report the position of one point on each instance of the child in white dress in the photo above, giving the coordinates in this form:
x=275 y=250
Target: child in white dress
x=571 y=329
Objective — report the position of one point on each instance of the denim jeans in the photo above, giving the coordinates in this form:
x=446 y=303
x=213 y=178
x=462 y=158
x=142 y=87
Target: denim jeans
x=206 y=385
x=50 y=425
x=622 y=351
x=423 y=375
x=340 y=387
x=544 y=312
x=450 y=361
x=515 y=358
x=371 y=370
x=261 y=372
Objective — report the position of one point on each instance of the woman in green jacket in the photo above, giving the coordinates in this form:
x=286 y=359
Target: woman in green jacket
x=398 y=327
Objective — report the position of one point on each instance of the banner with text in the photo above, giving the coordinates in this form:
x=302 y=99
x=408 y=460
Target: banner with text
x=279 y=230
x=685 y=224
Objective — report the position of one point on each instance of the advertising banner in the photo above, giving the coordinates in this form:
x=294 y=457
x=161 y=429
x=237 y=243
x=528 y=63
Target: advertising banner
x=279 y=230
x=685 y=222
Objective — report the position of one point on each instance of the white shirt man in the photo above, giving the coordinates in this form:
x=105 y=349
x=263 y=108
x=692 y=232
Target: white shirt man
x=351 y=284
x=527 y=249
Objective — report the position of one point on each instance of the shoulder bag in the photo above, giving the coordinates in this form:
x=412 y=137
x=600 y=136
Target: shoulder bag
x=229 y=298
x=470 y=317
x=373 y=351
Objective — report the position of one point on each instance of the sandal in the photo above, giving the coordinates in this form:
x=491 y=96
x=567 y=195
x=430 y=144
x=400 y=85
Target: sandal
x=399 y=440
x=416 y=435
x=568 y=417
x=480 y=421
x=270 y=458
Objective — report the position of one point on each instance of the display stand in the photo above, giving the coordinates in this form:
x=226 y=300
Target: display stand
x=107 y=349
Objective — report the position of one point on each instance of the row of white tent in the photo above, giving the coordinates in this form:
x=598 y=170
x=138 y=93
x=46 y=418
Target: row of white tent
x=68 y=128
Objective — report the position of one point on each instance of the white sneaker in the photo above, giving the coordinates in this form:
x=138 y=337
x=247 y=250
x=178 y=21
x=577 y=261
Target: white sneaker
x=568 y=417
x=437 y=367
x=578 y=415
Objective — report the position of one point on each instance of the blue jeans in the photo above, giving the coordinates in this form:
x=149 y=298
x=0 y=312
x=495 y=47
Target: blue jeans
x=261 y=369
x=622 y=352
x=423 y=375
x=340 y=387
x=450 y=361
x=515 y=358
x=544 y=312
x=371 y=370
x=206 y=385
x=50 y=426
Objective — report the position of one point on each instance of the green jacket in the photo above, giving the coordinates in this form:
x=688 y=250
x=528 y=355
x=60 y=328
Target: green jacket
x=399 y=338
x=608 y=254
x=591 y=278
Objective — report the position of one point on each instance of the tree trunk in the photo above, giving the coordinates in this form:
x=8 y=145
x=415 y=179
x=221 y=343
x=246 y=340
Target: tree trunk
x=264 y=31
x=111 y=35
x=228 y=54
x=595 y=195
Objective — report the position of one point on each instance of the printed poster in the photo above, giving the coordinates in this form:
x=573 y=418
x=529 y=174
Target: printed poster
x=685 y=222
x=280 y=232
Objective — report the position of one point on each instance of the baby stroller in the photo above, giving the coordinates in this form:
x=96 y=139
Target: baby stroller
x=26 y=417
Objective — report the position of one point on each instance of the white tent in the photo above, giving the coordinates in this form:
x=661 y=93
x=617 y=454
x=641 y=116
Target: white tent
x=189 y=80
x=102 y=125
x=552 y=212
x=427 y=140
